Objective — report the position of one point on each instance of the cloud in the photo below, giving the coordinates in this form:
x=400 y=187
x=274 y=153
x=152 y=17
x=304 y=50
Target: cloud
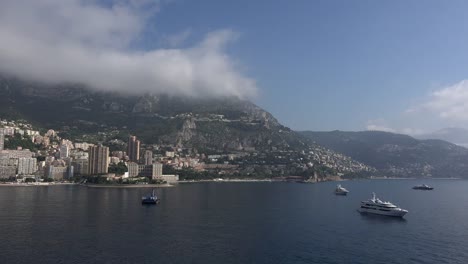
x=86 y=41
x=382 y=125
x=378 y=125
x=442 y=108
x=175 y=40
x=449 y=103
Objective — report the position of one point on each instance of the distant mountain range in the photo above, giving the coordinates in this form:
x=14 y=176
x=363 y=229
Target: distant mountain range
x=454 y=135
x=397 y=155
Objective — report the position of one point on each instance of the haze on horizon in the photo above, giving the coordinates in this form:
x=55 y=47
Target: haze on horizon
x=395 y=66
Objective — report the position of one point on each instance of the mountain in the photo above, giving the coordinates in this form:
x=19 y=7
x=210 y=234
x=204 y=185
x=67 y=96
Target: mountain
x=397 y=155
x=454 y=135
x=222 y=123
x=199 y=125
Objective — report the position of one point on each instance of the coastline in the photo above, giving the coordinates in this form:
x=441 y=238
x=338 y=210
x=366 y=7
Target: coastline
x=127 y=185
x=226 y=180
x=203 y=181
x=36 y=185
x=412 y=178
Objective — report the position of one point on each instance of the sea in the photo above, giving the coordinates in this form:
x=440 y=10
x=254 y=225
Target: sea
x=234 y=222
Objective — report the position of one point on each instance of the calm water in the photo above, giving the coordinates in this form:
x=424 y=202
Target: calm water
x=234 y=223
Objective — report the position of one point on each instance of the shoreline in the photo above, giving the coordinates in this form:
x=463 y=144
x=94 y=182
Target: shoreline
x=202 y=181
x=38 y=185
x=226 y=180
x=127 y=185
x=413 y=178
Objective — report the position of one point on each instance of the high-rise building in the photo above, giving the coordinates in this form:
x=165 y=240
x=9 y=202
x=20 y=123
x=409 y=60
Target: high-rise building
x=157 y=171
x=133 y=150
x=98 y=160
x=148 y=157
x=81 y=166
x=64 y=151
x=2 y=140
x=27 y=166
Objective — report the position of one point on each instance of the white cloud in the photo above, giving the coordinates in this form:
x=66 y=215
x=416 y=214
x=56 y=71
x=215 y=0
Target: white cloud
x=175 y=40
x=378 y=125
x=84 y=41
x=442 y=108
x=382 y=125
x=449 y=103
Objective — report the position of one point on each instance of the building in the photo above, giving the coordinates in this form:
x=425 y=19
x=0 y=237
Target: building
x=133 y=149
x=64 y=151
x=27 y=166
x=32 y=133
x=7 y=171
x=79 y=154
x=16 y=154
x=157 y=170
x=7 y=131
x=70 y=172
x=132 y=169
x=81 y=166
x=148 y=157
x=168 y=178
x=98 y=160
x=152 y=171
x=58 y=173
x=2 y=140
x=114 y=160
x=118 y=154
x=83 y=146
x=8 y=161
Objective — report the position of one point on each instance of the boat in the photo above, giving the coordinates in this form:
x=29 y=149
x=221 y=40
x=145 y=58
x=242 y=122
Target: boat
x=376 y=206
x=340 y=190
x=150 y=198
x=423 y=187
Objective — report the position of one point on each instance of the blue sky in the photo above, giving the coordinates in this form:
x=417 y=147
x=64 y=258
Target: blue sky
x=327 y=65
x=315 y=65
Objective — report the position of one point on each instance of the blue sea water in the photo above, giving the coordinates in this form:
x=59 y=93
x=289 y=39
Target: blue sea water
x=234 y=223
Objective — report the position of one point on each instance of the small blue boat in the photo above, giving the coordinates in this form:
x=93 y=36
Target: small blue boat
x=150 y=198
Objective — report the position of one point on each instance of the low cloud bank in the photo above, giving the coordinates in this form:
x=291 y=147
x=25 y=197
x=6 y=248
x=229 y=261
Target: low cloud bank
x=85 y=41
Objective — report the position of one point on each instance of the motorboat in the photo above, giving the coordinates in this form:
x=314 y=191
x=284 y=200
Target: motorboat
x=341 y=190
x=423 y=187
x=150 y=198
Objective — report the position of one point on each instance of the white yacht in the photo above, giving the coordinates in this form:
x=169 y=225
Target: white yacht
x=376 y=206
x=340 y=190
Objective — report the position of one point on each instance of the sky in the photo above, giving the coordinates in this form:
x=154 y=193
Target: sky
x=399 y=66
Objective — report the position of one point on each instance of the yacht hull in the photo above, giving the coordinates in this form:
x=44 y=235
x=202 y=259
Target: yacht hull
x=423 y=188
x=394 y=213
x=149 y=201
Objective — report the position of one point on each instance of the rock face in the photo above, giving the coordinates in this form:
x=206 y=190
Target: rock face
x=187 y=132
